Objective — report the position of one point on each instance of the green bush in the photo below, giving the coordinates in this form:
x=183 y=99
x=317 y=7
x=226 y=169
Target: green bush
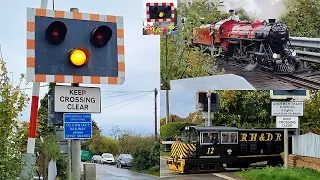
x=145 y=150
x=62 y=165
x=172 y=129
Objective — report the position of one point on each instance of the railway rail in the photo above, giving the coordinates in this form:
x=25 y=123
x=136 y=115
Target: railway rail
x=303 y=79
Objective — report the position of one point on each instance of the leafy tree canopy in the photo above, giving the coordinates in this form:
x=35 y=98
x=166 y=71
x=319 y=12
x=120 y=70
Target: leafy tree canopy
x=303 y=17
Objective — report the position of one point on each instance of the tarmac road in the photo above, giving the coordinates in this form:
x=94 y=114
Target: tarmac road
x=106 y=172
x=165 y=174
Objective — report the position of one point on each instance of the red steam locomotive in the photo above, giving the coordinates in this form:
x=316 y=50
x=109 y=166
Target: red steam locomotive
x=259 y=43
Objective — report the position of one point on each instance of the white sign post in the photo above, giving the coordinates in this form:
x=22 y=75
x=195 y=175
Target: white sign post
x=287 y=122
x=287 y=108
x=77 y=99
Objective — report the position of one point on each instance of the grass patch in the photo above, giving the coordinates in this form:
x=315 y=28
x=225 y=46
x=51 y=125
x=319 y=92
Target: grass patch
x=152 y=172
x=279 y=173
x=149 y=172
x=165 y=153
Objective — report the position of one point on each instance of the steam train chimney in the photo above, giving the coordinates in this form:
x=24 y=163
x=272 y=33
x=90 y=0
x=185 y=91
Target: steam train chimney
x=272 y=21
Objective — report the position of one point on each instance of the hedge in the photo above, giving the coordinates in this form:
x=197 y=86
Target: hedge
x=171 y=130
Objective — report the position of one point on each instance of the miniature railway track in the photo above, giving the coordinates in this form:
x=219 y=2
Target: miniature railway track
x=263 y=80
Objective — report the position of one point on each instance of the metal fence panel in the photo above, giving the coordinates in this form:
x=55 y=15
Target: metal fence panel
x=306 y=145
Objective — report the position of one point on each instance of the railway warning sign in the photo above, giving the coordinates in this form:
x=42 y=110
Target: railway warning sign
x=287 y=122
x=77 y=126
x=291 y=108
x=77 y=99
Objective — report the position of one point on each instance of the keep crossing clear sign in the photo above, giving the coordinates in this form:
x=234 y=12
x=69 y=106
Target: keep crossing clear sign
x=287 y=122
x=77 y=99
x=77 y=126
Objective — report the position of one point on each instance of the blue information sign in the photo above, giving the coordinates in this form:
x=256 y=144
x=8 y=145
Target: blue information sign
x=77 y=126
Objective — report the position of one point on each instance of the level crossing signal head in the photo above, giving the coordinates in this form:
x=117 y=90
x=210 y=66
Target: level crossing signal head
x=74 y=47
x=160 y=12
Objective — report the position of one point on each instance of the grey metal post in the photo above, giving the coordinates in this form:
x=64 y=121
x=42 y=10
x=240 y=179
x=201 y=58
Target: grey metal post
x=209 y=108
x=76 y=146
x=286 y=148
x=69 y=160
x=76 y=159
x=167 y=106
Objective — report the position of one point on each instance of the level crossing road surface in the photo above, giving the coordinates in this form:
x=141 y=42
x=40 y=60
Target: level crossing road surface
x=106 y=172
x=165 y=174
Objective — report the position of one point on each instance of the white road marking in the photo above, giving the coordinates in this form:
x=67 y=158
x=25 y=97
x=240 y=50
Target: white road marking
x=223 y=176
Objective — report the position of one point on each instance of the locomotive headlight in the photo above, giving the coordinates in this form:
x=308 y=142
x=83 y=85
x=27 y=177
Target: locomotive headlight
x=181 y=156
x=274 y=56
x=294 y=53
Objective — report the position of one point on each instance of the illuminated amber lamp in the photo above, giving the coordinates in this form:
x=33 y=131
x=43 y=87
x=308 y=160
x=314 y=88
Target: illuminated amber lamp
x=161 y=14
x=79 y=57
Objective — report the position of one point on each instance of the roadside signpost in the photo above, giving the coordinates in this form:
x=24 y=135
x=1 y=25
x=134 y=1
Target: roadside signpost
x=77 y=126
x=287 y=112
x=77 y=99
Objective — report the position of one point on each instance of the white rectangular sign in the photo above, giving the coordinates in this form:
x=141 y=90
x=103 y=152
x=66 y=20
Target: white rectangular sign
x=287 y=122
x=287 y=108
x=77 y=99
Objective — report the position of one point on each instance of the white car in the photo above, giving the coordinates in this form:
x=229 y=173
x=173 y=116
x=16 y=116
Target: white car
x=107 y=158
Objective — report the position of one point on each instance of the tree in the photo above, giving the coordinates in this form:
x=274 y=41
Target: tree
x=310 y=120
x=178 y=59
x=303 y=17
x=12 y=102
x=244 y=109
x=100 y=144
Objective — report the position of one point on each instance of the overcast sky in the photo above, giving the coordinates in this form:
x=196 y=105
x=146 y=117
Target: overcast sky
x=182 y=103
x=142 y=55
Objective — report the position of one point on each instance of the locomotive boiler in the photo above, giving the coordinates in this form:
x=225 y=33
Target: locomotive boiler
x=235 y=148
x=265 y=44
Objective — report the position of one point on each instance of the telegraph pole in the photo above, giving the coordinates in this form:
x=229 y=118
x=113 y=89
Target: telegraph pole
x=167 y=106
x=155 y=112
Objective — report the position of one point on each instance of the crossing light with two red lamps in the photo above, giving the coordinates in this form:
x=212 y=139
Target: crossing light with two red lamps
x=160 y=12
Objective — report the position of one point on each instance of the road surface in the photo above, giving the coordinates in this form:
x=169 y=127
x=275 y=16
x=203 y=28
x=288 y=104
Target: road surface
x=165 y=174
x=106 y=172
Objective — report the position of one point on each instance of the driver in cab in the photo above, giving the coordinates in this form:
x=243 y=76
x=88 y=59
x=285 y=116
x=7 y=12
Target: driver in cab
x=233 y=16
x=214 y=139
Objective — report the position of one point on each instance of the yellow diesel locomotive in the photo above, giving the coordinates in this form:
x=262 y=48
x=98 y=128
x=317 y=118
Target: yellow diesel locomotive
x=208 y=148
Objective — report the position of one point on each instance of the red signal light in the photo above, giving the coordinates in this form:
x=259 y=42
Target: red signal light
x=154 y=9
x=101 y=36
x=160 y=142
x=56 y=32
x=167 y=9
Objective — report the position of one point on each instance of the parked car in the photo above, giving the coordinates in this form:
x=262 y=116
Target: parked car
x=96 y=159
x=107 y=158
x=124 y=160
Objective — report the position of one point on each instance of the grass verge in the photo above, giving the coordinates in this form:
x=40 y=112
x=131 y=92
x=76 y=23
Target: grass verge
x=165 y=153
x=279 y=173
x=151 y=172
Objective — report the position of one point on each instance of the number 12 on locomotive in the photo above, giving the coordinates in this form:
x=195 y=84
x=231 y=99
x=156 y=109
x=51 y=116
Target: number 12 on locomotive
x=210 y=150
